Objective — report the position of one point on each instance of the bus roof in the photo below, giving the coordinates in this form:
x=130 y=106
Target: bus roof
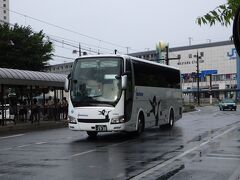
x=126 y=57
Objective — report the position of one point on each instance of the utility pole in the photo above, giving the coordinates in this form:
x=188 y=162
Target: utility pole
x=198 y=90
x=79 y=50
x=128 y=49
x=210 y=88
x=190 y=41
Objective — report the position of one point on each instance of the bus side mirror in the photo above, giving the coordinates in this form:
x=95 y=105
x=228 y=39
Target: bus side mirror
x=66 y=85
x=124 y=82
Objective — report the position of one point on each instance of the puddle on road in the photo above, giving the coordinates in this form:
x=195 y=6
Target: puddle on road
x=151 y=162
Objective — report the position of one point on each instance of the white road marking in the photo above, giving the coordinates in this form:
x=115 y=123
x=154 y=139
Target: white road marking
x=82 y=153
x=157 y=167
x=25 y=145
x=112 y=145
x=13 y=136
x=21 y=146
x=224 y=155
x=39 y=143
x=223 y=158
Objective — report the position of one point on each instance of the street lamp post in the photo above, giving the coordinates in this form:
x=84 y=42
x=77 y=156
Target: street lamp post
x=198 y=89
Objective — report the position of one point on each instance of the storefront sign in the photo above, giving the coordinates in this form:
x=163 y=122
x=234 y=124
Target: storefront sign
x=190 y=62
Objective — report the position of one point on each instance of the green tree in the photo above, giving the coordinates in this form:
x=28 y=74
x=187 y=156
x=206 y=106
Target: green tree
x=21 y=48
x=223 y=14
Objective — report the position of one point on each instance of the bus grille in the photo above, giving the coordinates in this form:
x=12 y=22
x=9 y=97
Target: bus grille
x=93 y=120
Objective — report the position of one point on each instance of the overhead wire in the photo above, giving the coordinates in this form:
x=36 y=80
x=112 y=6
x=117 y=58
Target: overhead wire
x=88 y=49
x=98 y=47
x=66 y=29
x=81 y=43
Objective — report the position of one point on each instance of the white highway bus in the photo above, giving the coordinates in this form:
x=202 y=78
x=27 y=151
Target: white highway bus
x=122 y=93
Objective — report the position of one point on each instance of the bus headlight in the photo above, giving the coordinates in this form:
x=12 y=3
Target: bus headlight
x=118 y=120
x=72 y=120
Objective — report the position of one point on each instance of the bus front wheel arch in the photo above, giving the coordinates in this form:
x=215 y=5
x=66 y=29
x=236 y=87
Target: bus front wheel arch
x=170 y=123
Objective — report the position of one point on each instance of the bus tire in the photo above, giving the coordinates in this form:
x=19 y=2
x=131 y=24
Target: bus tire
x=141 y=125
x=92 y=134
x=171 y=120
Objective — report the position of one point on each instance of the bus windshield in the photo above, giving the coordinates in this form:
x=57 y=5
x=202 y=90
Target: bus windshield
x=96 y=81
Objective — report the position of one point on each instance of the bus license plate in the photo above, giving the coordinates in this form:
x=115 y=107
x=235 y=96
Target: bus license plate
x=101 y=128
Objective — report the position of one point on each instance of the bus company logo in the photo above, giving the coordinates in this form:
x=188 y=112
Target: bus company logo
x=139 y=93
x=104 y=113
x=232 y=54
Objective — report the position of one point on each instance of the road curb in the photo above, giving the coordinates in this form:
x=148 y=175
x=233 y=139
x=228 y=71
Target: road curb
x=43 y=125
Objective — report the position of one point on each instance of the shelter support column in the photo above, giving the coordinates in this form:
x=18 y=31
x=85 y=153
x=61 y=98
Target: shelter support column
x=31 y=102
x=55 y=105
x=2 y=104
x=44 y=102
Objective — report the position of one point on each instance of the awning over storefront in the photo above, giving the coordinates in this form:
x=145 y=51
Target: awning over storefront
x=31 y=78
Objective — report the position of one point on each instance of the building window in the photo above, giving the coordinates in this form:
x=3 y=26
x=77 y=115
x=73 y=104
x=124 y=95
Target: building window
x=4 y=17
x=190 y=55
x=4 y=5
x=4 y=11
x=202 y=54
x=228 y=76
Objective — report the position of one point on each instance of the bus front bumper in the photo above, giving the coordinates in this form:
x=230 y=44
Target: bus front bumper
x=100 y=127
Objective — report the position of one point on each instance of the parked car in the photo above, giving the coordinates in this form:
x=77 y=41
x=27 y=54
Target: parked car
x=227 y=104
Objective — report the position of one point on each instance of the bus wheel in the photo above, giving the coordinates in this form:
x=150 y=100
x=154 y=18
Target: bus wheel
x=92 y=134
x=171 y=120
x=140 y=127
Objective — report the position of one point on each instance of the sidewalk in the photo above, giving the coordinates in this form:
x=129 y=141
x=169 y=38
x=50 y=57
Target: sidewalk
x=19 y=127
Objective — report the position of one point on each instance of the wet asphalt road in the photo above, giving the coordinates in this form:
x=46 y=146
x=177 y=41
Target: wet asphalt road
x=202 y=145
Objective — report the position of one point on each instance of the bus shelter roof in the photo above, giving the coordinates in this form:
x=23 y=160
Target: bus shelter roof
x=31 y=78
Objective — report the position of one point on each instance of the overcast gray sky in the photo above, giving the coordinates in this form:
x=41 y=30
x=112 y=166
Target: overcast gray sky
x=138 y=24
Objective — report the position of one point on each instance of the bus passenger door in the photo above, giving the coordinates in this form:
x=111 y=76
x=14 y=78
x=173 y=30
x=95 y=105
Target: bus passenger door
x=129 y=91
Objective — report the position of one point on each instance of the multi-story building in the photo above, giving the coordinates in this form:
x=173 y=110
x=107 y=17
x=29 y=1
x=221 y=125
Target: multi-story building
x=217 y=68
x=64 y=68
x=4 y=11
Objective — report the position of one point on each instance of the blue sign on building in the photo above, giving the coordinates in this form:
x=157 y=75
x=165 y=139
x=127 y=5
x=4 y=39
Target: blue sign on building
x=232 y=55
x=208 y=72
